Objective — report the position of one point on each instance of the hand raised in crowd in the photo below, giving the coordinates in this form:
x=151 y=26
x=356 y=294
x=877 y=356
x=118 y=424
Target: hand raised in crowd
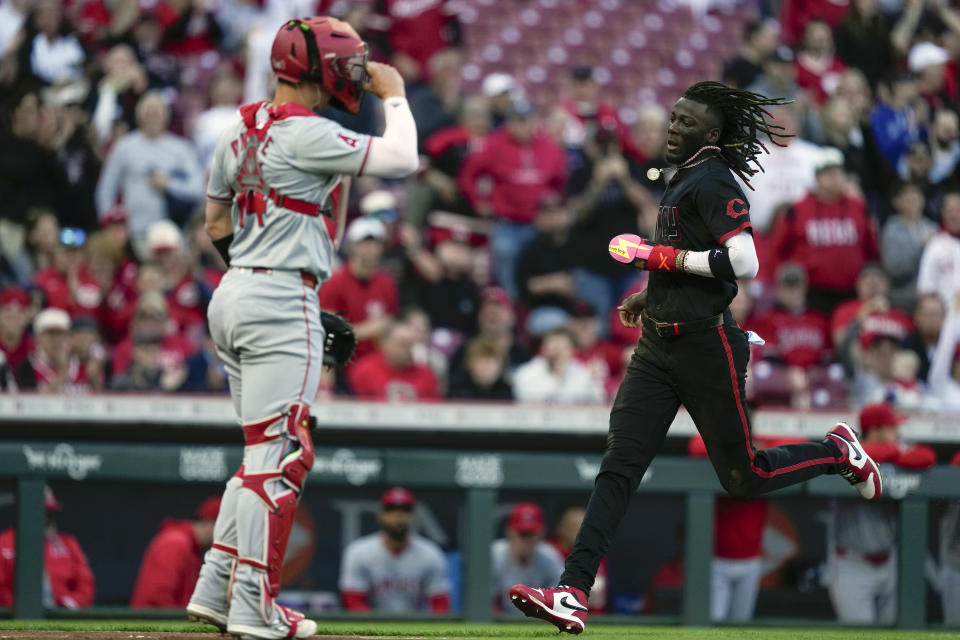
x=385 y=81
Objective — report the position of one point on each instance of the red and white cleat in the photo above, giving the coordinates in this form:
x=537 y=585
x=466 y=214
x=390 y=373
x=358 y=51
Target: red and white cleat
x=856 y=466
x=563 y=607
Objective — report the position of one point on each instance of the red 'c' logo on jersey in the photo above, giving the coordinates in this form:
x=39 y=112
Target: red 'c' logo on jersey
x=350 y=141
x=732 y=210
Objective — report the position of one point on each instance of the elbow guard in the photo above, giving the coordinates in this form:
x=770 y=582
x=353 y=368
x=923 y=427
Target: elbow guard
x=720 y=265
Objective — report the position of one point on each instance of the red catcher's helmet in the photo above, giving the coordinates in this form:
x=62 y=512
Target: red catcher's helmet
x=326 y=51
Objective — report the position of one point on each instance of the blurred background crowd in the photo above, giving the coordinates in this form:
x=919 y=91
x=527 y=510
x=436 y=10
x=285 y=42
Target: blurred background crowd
x=486 y=274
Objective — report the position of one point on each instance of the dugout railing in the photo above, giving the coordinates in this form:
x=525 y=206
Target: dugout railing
x=478 y=474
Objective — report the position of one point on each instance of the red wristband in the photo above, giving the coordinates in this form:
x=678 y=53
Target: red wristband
x=663 y=258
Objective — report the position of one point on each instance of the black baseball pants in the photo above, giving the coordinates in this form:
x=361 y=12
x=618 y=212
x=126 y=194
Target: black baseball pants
x=706 y=372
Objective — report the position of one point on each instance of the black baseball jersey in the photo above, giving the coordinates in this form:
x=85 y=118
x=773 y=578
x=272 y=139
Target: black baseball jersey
x=702 y=207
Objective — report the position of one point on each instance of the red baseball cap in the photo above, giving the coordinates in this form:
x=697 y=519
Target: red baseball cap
x=878 y=415
x=397 y=498
x=50 y=502
x=497 y=295
x=14 y=296
x=526 y=517
x=208 y=509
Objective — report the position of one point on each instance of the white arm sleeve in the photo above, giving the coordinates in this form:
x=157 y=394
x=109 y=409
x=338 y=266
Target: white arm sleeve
x=743 y=258
x=394 y=154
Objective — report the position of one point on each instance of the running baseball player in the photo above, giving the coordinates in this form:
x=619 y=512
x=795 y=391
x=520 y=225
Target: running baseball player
x=271 y=197
x=691 y=351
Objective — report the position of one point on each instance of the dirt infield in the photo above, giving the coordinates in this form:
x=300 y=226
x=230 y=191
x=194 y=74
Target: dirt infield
x=146 y=635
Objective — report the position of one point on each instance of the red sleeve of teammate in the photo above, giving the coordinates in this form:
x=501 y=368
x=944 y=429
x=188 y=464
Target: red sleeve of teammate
x=355 y=601
x=160 y=581
x=81 y=586
x=955 y=460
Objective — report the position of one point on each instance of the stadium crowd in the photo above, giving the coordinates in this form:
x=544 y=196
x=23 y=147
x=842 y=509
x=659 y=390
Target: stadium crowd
x=485 y=275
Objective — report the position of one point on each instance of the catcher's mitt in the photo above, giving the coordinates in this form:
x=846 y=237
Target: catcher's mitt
x=340 y=342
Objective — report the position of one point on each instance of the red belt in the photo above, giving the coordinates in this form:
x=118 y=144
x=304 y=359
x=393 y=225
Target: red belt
x=294 y=204
x=308 y=278
x=875 y=559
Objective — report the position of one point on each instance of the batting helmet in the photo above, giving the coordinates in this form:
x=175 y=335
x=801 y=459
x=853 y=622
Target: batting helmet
x=326 y=51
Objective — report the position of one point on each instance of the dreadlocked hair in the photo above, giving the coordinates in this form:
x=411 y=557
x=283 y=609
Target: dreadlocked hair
x=743 y=124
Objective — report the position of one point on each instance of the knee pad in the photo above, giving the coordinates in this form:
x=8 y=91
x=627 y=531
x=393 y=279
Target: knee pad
x=298 y=463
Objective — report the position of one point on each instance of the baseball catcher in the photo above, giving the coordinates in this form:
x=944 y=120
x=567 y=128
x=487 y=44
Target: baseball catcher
x=272 y=199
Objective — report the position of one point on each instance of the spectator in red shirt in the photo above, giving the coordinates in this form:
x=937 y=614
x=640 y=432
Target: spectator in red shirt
x=15 y=344
x=818 y=69
x=67 y=283
x=51 y=367
x=152 y=323
x=65 y=567
x=121 y=304
x=795 y=335
x=872 y=305
x=187 y=297
x=364 y=293
x=171 y=563
x=795 y=15
x=522 y=164
x=417 y=31
x=828 y=233
x=390 y=373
